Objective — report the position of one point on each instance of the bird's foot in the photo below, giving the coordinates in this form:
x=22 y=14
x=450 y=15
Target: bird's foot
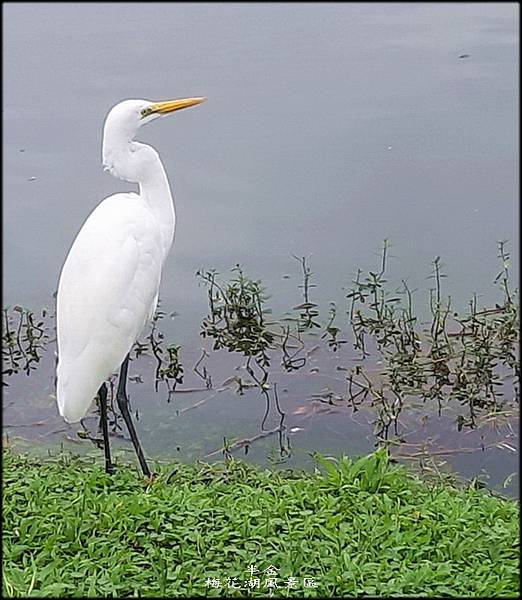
x=151 y=479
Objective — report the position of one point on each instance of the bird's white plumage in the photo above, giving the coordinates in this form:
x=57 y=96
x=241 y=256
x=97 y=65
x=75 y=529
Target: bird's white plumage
x=108 y=289
x=110 y=281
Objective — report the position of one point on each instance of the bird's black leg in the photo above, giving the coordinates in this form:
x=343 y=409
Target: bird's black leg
x=123 y=403
x=102 y=394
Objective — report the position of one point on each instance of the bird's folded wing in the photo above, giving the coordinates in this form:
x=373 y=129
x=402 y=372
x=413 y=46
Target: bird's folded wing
x=108 y=282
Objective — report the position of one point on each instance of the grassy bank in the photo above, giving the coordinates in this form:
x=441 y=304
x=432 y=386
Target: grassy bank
x=363 y=527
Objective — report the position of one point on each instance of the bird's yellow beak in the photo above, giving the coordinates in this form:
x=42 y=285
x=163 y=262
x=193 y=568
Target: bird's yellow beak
x=169 y=106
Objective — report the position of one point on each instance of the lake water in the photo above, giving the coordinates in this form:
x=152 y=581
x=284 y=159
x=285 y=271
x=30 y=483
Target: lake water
x=327 y=129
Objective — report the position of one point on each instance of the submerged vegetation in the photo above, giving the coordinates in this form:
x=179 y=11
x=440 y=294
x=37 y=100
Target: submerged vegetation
x=464 y=358
x=353 y=528
x=24 y=337
x=469 y=360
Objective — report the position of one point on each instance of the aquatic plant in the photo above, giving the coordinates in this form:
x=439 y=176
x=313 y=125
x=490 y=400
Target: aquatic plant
x=433 y=362
x=469 y=359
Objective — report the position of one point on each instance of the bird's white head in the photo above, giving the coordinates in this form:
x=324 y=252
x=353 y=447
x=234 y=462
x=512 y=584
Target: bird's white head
x=121 y=125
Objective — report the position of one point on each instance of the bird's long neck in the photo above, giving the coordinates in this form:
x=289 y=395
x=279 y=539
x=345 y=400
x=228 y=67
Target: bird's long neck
x=155 y=192
x=141 y=164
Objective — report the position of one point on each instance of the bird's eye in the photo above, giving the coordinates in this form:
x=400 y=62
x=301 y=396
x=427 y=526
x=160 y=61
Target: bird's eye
x=145 y=112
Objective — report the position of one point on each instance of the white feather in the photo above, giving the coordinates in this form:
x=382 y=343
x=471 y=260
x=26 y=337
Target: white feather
x=107 y=291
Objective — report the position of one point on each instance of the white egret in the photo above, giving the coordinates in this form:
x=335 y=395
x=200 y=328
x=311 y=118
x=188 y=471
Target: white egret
x=110 y=280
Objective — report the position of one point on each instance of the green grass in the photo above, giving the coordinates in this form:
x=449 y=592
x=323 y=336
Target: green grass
x=364 y=527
